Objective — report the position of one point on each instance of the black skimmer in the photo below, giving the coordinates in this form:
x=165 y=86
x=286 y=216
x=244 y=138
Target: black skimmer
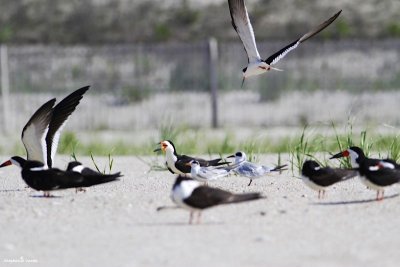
x=41 y=178
x=205 y=174
x=41 y=134
x=195 y=197
x=251 y=170
x=318 y=178
x=180 y=164
x=241 y=23
x=76 y=166
x=374 y=173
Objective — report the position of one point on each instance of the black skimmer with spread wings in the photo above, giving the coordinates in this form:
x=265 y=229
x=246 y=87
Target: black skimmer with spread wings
x=195 y=197
x=180 y=164
x=251 y=170
x=319 y=178
x=41 y=134
x=374 y=173
x=241 y=23
x=39 y=177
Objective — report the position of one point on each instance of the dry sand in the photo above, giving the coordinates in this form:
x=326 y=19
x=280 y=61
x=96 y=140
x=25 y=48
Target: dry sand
x=117 y=224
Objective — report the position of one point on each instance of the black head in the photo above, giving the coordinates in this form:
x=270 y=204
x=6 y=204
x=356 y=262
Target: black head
x=358 y=151
x=72 y=165
x=244 y=69
x=309 y=167
x=16 y=160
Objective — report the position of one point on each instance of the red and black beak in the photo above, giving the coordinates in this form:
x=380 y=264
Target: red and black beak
x=343 y=154
x=7 y=163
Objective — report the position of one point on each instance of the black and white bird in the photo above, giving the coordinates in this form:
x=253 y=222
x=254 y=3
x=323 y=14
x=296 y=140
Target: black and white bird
x=206 y=174
x=76 y=166
x=180 y=164
x=41 y=178
x=319 y=178
x=256 y=65
x=41 y=134
x=376 y=174
x=251 y=170
x=195 y=197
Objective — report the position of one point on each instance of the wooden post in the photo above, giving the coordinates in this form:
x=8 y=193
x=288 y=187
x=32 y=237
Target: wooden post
x=213 y=75
x=5 y=86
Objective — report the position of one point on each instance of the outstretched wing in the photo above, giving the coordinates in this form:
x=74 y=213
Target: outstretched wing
x=284 y=51
x=34 y=132
x=61 y=113
x=242 y=25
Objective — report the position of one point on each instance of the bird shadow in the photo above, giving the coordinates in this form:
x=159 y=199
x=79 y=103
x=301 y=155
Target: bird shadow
x=362 y=201
x=42 y=196
x=179 y=224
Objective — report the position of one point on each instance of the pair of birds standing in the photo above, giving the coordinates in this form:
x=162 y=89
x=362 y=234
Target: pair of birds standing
x=376 y=174
x=40 y=137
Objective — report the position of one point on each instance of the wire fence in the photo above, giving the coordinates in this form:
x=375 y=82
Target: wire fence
x=127 y=75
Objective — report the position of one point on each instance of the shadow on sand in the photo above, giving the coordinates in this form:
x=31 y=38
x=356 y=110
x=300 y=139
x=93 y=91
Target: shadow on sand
x=362 y=201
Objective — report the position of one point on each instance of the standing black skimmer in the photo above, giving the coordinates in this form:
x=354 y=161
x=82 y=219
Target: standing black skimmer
x=241 y=23
x=206 y=174
x=318 y=178
x=251 y=170
x=76 y=166
x=374 y=173
x=180 y=164
x=195 y=197
x=41 y=178
x=41 y=134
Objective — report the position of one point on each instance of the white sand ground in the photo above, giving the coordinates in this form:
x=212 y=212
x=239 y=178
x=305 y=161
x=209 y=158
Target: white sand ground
x=117 y=224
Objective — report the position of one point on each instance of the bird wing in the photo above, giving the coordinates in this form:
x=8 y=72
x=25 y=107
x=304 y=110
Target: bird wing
x=204 y=197
x=34 y=133
x=242 y=25
x=273 y=59
x=61 y=113
x=328 y=176
x=384 y=173
x=247 y=169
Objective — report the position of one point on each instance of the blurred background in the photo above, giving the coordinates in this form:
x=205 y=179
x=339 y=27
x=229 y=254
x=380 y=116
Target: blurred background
x=172 y=69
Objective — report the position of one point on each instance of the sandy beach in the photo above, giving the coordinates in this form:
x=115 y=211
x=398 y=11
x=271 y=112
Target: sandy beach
x=117 y=224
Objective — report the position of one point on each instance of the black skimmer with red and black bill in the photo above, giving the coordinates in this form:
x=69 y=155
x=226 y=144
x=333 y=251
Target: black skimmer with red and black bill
x=241 y=23
x=251 y=170
x=41 y=134
x=180 y=164
x=195 y=197
x=41 y=178
x=374 y=173
x=319 y=178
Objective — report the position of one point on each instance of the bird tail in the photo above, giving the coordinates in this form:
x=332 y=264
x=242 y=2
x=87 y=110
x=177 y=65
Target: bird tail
x=101 y=179
x=279 y=168
x=217 y=162
x=243 y=197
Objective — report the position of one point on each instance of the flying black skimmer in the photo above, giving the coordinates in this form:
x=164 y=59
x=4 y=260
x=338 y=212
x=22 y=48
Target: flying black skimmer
x=250 y=170
x=318 y=178
x=205 y=174
x=41 y=178
x=41 y=134
x=195 y=197
x=374 y=173
x=180 y=164
x=241 y=23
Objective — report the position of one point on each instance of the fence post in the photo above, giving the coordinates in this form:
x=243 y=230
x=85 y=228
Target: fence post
x=5 y=86
x=213 y=75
